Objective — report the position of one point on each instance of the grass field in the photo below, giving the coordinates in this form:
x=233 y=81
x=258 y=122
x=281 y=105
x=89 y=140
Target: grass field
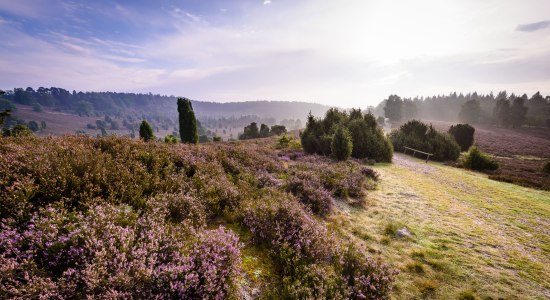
x=471 y=237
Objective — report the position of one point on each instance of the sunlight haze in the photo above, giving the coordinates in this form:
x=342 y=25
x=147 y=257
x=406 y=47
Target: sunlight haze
x=344 y=53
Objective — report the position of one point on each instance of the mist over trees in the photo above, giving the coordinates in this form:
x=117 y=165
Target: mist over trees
x=503 y=109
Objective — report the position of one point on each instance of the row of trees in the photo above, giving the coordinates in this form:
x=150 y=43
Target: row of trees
x=501 y=109
x=252 y=132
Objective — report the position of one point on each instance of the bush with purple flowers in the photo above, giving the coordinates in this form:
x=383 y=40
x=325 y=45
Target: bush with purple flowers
x=112 y=217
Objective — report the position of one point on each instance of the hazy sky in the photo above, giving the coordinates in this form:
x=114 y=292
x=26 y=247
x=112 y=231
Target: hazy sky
x=345 y=53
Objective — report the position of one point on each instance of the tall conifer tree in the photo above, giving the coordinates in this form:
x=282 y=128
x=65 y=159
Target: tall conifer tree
x=188 y=122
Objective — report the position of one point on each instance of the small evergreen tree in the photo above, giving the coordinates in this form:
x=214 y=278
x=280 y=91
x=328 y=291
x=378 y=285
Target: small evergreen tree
x=33 y=126
x=264 y=130
x=463 y=134
x=145 y=131
x=393 y=108
x=342 y=145
x=278 y=129
x=188 y=122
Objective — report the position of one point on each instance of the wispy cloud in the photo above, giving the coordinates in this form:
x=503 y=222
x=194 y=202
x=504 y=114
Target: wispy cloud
x=267 y=2
x=533 y=26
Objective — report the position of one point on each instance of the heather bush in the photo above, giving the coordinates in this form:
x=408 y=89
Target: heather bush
x=309 y=190
x=119 y=218
x=113 y=251
x=546 y=168
x=478 y=160
x=463 y=135
x=417 y=135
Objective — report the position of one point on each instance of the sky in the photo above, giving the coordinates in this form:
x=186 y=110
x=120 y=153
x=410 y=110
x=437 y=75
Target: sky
x=348 y=53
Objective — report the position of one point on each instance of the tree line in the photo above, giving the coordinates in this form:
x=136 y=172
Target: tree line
x=502 y=109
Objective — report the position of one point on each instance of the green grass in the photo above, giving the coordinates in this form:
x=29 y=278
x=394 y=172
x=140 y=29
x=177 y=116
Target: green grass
x=473 y=237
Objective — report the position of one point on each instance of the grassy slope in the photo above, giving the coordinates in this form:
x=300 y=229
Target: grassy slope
x=471 y=235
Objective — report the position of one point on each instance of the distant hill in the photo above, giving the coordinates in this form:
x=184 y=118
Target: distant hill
x=111 y=103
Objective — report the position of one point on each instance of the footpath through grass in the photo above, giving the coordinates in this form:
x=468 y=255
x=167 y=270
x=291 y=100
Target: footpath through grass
x=470 y=237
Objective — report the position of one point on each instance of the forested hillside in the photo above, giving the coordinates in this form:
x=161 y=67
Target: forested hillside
x=111 y=103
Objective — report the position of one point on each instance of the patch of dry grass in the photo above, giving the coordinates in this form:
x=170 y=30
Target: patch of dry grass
x=474 y=238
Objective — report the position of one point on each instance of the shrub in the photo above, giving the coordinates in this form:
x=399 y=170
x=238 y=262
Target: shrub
x=417 y=135
x=546 y=168
x=311 y=193
x=217 y=139
x=463 y=134
x=479 y=161
x=145 y=131
x=341 y=145
x=367 y=138
x=171 y=139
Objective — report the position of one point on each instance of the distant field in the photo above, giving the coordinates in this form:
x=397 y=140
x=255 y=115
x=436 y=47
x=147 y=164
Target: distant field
x=469 y=235
x=520 y=152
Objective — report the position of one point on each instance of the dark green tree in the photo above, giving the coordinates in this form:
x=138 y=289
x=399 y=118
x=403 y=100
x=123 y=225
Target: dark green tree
x=393 y=109
x=518 y=112
x=341 y=145
x=33 y=126
x=188 y=122
x=145 y=131
x=463 y=134
x=470 y=112
x=278 y=129
x=264 y=130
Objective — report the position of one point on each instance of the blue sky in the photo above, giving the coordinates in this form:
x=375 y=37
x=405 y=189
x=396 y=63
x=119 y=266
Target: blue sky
x=346 y=53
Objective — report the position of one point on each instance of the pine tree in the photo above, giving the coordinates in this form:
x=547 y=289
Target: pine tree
x=145 y=131
x=518 y=112
x=188 y=122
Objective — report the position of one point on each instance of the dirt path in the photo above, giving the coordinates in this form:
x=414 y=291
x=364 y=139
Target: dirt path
x=470 y=235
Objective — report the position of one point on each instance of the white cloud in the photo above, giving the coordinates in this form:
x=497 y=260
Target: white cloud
x=267 y=2
x=350 y=55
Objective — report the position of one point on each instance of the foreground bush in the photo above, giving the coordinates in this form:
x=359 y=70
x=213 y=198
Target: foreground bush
x=111 y=252
x=546 y=168
x=417 y=135
x=463 y=134
x=311 y=261
x=479 y=161
x=117 y=218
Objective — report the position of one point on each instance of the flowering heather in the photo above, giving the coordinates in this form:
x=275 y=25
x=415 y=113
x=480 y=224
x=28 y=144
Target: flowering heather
x=112 y=217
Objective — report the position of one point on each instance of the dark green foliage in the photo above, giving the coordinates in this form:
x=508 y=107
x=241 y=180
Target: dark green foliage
x=217 y=138
x=463 y=134
x=470 y=112
x=33 y=126
x=278 y=129
x=546 y=168
x=393 y=108
x=3 y=116
x=250 y=132
x=479 y=161
x=368 y=140
x=342 y=145
x=103 y=131
x=264 y=130
x=84 y=108
x=145 y=131
x=7 y=105
x=18 y=130
x=42 y=125
x=417 y=135
x=188 y=122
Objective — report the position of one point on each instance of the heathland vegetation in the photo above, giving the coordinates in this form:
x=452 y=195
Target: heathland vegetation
x=116 y=217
